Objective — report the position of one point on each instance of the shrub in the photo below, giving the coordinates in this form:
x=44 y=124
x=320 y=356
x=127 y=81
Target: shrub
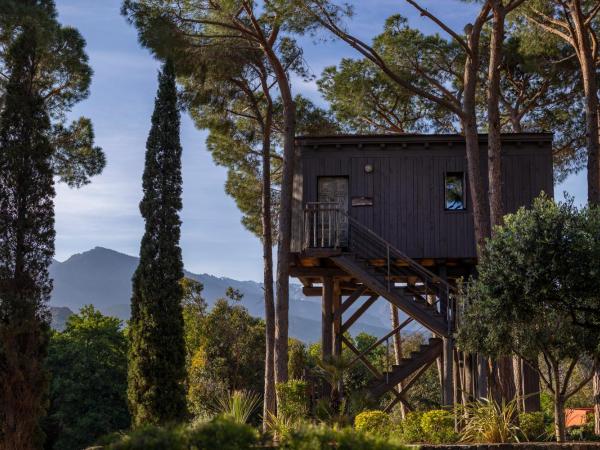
x=220 y=433
x=532 y=426
x=293 y=399
x=438 y=427
x=489 y=422
x=410 y=431
x=238 y=406
x=373 y=422
x=150 y=438
x=324 y=438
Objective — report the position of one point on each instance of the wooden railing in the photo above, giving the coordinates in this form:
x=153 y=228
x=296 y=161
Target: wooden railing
x=323 y=222
x=326 y=225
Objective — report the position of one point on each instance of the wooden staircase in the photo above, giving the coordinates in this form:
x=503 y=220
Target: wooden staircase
x=382 y=270
x=408 y=367
x=414 y=305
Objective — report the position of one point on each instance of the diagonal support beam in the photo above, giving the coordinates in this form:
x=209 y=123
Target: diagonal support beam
x=383 y=339
x=359 y=312
x=398 y=395
x=407 y=386
x=355 y=296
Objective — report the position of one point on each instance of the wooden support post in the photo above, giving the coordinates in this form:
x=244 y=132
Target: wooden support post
x=448 y=385
x=443 y=273
x=531 y=388
x=482 y=377
x=327 y=318
x=469 y=372
x=337 y=318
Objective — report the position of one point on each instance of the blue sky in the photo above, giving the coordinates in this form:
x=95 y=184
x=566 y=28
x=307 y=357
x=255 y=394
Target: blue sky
x=105 y=213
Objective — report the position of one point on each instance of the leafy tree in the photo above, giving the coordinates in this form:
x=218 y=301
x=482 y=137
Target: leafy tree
x=157 y=350
x=88 y=389
x=26 y=248
x=194 y=311
x=237 y=27
x=230 y=356
x=62 y=77
x=365 y=100
x=536 y=269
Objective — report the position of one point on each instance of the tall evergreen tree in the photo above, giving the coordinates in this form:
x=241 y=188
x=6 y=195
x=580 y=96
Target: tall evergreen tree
x=157 y=351
x=26 y=247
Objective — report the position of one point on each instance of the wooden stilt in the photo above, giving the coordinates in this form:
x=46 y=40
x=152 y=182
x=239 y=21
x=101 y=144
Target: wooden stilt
x=337 y=318
x=448 y=384
x=468 y=377
x=482 y=377
x=531 y=388
x=327 y=319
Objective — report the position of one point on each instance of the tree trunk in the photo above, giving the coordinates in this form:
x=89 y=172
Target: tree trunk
x=519 y=391
x=590 y=88
x=397 y=348
x=596 y=387
x=469 y=128
x=270 y=399
x=494 y=136
x=559 y=418
x=285 y=221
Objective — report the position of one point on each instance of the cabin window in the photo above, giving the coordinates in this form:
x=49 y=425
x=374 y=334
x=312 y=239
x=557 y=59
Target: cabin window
x=454 y=187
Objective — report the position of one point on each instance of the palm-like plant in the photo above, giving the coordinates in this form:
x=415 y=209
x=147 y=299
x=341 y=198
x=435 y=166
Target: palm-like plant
x=238 y=405
x=487 y=421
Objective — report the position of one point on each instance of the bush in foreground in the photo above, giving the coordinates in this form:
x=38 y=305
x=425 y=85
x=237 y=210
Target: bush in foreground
x=438 y=427
x=324 y=438
x=219 y=433
x=373 y=422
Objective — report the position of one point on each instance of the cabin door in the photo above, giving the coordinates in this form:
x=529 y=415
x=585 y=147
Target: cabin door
x=334 y=218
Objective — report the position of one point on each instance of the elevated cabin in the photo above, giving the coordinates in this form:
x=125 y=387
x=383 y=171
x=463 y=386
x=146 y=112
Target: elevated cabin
x=390 y=217
x=412 y=190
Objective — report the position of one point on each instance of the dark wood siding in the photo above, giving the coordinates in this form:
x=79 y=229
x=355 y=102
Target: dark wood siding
x=407 y=185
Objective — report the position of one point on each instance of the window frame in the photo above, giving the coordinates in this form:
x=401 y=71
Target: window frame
x=464 y=191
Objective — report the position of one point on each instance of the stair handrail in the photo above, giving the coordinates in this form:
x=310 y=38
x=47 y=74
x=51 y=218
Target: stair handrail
x=403 y=256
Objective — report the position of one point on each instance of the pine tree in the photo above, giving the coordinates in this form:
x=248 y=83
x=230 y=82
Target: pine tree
x=26 y=248
x=157 y=351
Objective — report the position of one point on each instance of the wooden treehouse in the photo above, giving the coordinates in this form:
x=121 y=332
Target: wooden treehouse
x=388 y=218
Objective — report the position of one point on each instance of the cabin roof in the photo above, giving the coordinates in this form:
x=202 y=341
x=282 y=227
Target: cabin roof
x=540 y=138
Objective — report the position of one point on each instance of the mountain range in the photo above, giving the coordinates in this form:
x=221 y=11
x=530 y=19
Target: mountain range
x=102 y=277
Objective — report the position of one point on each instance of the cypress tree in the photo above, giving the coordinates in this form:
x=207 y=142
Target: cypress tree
x=26 y=248
x=157 y=351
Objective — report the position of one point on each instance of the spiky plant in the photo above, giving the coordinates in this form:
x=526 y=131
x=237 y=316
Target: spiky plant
x=238 y=405
x=490 y=422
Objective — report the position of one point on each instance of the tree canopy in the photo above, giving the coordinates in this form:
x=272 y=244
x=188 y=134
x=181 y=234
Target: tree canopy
x=537 y=292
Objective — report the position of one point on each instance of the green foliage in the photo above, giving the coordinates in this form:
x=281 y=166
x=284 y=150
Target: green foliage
x=230 y=355
x=489 y=422
x=538 y=293
x=88 y=390
x=374 y=422
x=62 y=78
x=297 y=359
x=157 y=352
x=438 y=427
x=533 y=426
x=26 y=246
x=293 y=400
x=219 y=434
x=365 y=100
x=194 y=311
x=324 y=438
x=238 y=406
x=411 y=431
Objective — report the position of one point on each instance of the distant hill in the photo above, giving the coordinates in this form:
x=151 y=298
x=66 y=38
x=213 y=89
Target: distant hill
x=102 y=277
x=60 y=315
